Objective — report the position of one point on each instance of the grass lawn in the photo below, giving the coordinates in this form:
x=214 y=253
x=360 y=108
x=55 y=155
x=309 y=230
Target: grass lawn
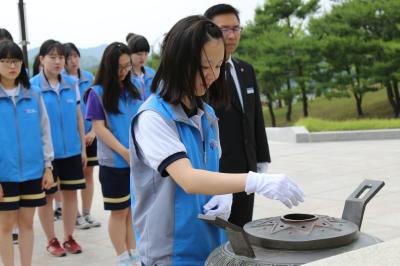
x=375 y=105
x=316 y=124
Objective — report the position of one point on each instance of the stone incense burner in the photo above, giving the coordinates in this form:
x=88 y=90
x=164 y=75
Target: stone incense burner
x=296 y=238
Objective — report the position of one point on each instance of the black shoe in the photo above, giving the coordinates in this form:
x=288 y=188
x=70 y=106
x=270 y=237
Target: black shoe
x=58 y=214
x=15 y=238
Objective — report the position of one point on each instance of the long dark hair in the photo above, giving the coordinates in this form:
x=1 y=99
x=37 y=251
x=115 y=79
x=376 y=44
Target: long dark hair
x=10 y=50
x=69 y=47
x=107 y=77
x=181 y=61
x=36 y=65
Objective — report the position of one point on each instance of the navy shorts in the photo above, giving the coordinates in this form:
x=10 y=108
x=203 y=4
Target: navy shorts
x=91 y=152
x=115 y=186
x=22 y=194
x=69 y=172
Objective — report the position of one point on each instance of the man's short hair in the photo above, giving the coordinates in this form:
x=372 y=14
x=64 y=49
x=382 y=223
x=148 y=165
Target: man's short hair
x=221 y=9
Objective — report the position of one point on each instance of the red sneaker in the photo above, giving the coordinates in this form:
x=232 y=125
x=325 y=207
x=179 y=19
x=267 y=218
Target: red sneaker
x=71 y=246
x=55 y=249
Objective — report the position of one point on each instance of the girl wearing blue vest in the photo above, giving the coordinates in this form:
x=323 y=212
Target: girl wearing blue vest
x=62 y=98
x=85 y=80
x=142 y=75
x=26 y=153
x=175 y=152
x=112 y=102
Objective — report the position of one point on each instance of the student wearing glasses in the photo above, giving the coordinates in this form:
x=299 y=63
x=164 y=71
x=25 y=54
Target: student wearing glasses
x=5 y=35
x=142 y=75
x=247 y=149
x=175 y=150
x=62 y=100
x=84 y=79
x=26 y=153
x=111 y=104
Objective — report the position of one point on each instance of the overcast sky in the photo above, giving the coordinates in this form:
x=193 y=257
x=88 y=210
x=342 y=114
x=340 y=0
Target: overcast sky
x=89 y=23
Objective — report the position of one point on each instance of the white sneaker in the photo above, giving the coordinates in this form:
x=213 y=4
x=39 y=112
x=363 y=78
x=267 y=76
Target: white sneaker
x=124 y=260
x=135 y=258
x=92 y=222
x=81 y=223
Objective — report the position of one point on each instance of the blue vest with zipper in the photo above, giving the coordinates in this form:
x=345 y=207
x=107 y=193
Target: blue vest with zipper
x=119 y=125
x=62 y=112
x=193 y=240
x=84 y=83
x=144 y=88
x=21 y=150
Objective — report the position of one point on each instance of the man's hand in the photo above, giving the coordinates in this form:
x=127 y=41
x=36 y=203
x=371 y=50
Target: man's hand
x=262 y=168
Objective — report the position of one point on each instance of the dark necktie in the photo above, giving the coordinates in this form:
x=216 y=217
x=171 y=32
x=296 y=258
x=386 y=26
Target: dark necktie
x=231 y=84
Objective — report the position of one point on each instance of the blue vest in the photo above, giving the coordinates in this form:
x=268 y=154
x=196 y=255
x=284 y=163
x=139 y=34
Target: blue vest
x=84 y=82
x=61 y=109
x=192 y=239
x=119 y=125
x=21 y=148
x=144 y=87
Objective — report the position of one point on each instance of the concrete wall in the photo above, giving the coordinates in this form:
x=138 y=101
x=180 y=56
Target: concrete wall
x=299 y=134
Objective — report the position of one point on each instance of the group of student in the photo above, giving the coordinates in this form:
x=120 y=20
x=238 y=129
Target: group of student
x=157 y=141
x=53 y=147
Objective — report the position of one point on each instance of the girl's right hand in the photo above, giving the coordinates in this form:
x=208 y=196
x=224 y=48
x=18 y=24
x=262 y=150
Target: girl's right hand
x=275 y=186
x=47 y=179
x=125 y=155
x=90 y=137
x=1 y=192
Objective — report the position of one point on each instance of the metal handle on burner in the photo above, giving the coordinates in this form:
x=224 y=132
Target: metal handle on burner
x=237 y=237
x=354 y=206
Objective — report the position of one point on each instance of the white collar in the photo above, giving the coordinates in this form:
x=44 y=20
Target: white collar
x=230 y=61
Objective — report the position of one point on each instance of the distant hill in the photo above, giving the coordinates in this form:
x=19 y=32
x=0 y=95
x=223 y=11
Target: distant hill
x=90 y=57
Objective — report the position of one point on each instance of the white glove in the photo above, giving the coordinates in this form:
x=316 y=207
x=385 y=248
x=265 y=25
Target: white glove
x=219 y=205
x=262 y=168
x=275 y=186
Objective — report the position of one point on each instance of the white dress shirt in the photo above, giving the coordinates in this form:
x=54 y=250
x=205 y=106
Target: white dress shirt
x=235 y=80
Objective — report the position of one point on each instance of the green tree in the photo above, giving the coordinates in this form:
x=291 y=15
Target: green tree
x=275 y=42
x=348 y=48
x=154 y=60
x=383 y=27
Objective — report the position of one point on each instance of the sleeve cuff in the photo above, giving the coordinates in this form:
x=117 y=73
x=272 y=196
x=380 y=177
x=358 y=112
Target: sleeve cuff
x=169 y=160
x=48 y=165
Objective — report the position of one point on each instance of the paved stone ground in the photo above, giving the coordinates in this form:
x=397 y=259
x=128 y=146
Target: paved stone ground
x=328 y=172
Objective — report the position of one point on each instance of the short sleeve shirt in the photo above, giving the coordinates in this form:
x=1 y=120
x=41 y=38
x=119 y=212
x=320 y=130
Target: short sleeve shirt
x=94 y=109
x=158 y=142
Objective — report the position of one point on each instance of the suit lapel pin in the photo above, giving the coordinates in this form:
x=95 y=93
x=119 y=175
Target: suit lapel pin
x=241 y=69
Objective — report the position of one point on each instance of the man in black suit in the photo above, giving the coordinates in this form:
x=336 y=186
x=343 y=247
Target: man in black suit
x=242 y=130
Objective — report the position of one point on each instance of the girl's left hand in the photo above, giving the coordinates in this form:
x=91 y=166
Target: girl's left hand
x=47 y=180
x=1 y=192
x=84 y=159
x=219 y=205
x=90 y=137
